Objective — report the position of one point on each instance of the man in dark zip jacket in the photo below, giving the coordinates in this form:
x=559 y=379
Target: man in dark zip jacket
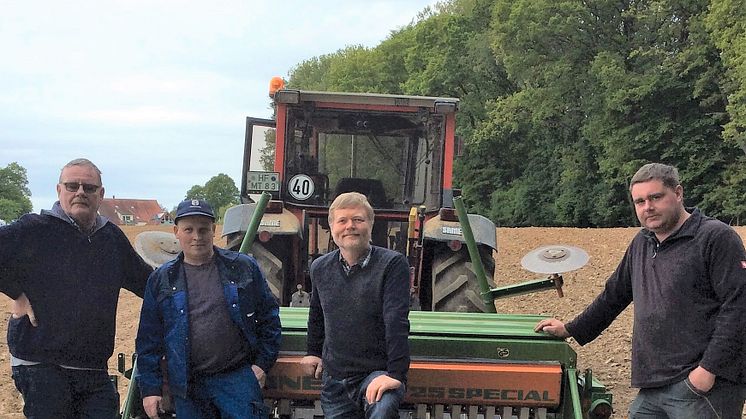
x=64 y=269
x=211 y=314
x=686 y=274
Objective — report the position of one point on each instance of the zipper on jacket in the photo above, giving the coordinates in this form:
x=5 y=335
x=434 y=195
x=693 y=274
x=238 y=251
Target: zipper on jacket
x=655 y=249
x=87 y=235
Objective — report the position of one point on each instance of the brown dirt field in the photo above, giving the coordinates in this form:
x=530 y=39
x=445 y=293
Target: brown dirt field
x=608 y=356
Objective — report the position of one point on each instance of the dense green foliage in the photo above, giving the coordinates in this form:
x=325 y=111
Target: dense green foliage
x=14 y=192
x=562 y=100
x=220 y=191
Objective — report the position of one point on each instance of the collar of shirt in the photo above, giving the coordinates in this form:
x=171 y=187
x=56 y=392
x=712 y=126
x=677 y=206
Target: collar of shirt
x=349 y=269
x=58 y=212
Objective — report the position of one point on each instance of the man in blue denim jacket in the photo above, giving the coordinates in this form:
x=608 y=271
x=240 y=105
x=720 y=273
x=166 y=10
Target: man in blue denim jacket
x=212 y=315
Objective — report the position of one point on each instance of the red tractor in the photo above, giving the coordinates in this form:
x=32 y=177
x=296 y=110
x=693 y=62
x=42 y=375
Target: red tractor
x=397 y=150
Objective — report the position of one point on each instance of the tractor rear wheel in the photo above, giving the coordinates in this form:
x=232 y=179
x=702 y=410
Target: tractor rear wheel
x=455 y=286
x=272 y=269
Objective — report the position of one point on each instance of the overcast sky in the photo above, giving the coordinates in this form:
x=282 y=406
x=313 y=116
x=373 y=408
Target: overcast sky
x=156 y=92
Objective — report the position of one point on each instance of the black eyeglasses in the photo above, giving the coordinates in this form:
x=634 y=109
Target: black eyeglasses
x=75 y=186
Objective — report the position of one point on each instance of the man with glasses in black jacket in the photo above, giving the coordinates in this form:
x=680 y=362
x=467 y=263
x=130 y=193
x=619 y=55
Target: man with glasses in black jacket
x=64 y=268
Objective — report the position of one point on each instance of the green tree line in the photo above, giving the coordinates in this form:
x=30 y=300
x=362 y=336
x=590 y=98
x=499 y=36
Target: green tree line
x=562 y=100
x=14 y=192
x=220 y=192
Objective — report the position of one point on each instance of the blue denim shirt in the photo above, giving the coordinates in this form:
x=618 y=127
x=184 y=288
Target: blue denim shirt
x=164 y=324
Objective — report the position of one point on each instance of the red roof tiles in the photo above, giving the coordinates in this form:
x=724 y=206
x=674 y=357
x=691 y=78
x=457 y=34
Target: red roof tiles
x=133 y=211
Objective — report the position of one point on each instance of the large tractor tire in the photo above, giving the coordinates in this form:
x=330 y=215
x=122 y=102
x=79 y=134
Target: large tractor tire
x=455 y=286
x=272 y=269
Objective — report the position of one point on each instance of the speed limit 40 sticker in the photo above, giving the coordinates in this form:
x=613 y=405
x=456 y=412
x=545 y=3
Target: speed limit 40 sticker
x=301 y=187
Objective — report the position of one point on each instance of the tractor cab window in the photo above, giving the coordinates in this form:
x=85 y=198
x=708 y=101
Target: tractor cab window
x=392 y=158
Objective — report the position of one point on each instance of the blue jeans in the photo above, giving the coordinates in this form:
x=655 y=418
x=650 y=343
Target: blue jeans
x=229 y=395
x=50 y=391
x=345 y=399
x=682 y=401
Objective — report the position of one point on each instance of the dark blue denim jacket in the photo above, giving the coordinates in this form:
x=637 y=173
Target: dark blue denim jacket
x=164 y=325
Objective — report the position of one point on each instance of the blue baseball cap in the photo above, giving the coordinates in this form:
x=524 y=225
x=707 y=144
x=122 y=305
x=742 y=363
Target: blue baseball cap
x=189 y=207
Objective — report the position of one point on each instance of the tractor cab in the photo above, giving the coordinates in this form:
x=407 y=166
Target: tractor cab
x=394 y=158
x=324 y=144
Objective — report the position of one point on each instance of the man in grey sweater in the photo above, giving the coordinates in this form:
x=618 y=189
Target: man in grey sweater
x=358 y=320
x=686 y=274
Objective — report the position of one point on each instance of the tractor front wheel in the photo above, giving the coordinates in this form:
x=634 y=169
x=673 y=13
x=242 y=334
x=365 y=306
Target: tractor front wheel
x=455 y=286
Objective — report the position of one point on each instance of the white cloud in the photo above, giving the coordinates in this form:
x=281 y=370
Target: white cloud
x=141 y=115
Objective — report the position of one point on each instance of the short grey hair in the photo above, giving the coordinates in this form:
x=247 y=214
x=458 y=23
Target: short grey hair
x=81 y=162
x=351 y=200
x=668 y=175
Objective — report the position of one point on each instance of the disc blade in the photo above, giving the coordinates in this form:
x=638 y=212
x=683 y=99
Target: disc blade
x=157 y=247
x=554 y=259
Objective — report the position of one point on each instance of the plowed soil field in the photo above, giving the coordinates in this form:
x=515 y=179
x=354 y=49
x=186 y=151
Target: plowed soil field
x=608 y=356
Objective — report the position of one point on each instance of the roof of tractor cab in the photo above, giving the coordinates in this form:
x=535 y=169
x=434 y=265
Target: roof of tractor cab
x=439 y=104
